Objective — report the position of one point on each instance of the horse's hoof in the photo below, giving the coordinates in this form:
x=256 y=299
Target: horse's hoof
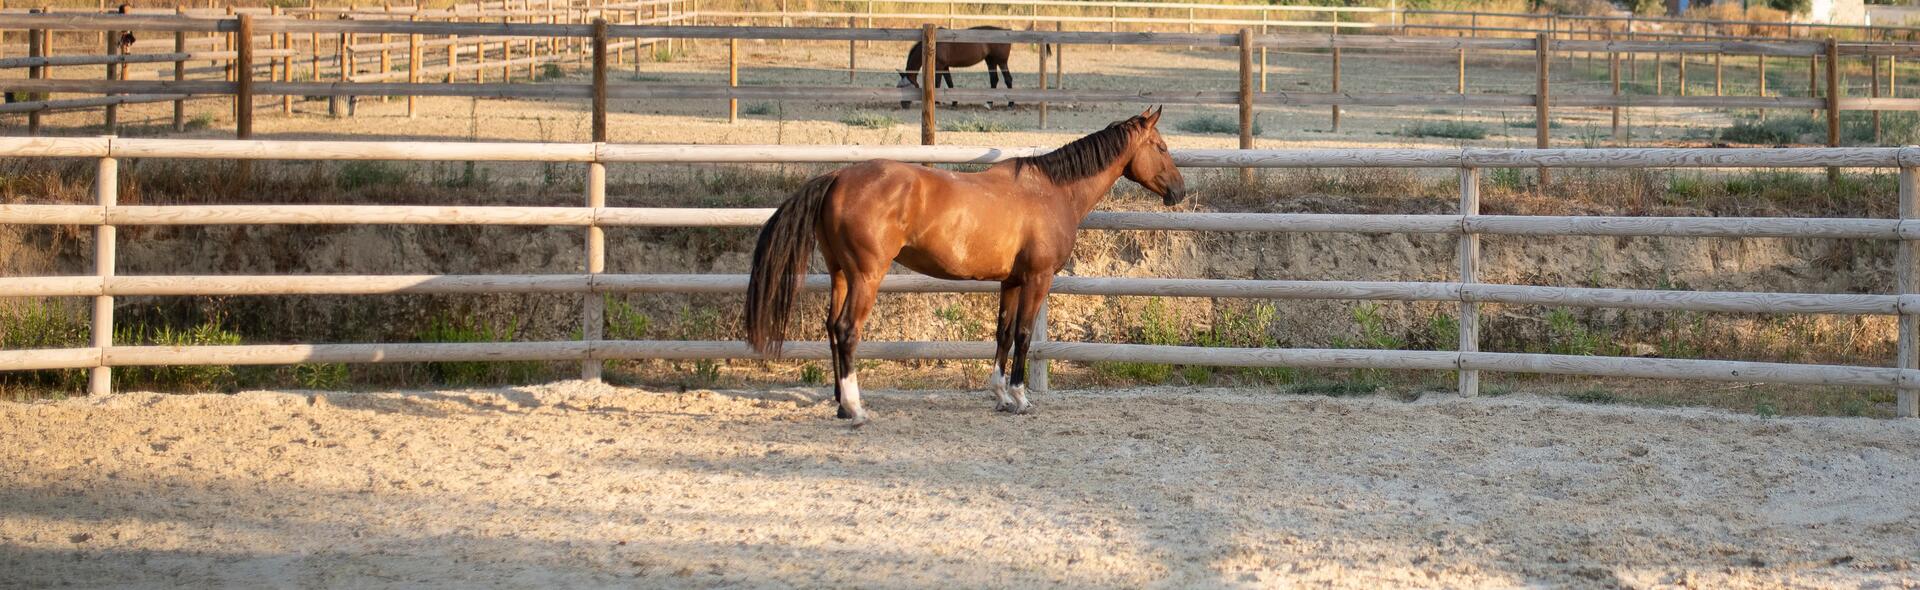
x=843 y=413
x=1022 y=409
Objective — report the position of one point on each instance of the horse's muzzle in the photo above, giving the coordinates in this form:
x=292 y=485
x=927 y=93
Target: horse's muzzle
x=1176 y=192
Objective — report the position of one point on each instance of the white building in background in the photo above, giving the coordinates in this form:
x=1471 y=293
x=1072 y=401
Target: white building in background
x=1836 y=12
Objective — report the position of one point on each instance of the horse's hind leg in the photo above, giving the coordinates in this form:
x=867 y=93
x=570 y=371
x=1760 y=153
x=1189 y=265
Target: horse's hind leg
x=862 y=289
x=1002 y=342
x=836 y=305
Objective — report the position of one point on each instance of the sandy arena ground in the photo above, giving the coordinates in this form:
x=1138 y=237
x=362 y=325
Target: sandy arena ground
x=574 y=484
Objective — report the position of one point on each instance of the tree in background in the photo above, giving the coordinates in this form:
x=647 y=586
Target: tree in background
x=1791 y=6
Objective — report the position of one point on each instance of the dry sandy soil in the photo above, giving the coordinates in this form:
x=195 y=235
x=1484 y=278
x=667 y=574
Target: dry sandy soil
x=583 y=485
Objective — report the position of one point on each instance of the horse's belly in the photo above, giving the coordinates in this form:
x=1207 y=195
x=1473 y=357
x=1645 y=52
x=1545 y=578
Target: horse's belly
x=948 y=263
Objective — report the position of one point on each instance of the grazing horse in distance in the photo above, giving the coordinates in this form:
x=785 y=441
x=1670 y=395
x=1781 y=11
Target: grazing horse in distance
x=957 y=54
x=1014 y=222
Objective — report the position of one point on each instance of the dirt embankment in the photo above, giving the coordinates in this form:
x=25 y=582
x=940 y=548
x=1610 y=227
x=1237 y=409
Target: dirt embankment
x=573 y=484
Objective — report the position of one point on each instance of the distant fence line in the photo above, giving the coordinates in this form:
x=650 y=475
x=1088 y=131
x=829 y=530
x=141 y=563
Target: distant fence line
x=498 y=39
x=592 y=348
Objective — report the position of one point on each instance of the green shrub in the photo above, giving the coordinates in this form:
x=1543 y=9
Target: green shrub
x=1156 y=327
x=1593 y=396
x=624 y=322
x=758 y=108
x=550 y=71
x=1446 y=129
x=43 y=324
x=320 y=375
x=870 y=120
x=1774 y=130
x=363 y=174
x=474 y=372
x=975 y=125
x=172 y=377
x=812 y=374
x=1567 y=335
x=1220 y=124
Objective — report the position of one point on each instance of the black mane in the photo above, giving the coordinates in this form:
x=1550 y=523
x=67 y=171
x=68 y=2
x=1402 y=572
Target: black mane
x=1083 y=157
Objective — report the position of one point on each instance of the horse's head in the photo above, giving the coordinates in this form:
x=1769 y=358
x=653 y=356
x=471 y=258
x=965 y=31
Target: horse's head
x=1150 y=164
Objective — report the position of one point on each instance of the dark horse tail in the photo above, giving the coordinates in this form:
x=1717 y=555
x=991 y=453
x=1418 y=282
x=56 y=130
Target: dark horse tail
x=780 y=265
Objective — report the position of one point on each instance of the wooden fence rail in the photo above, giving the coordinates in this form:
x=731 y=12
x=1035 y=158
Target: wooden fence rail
x=105 y=215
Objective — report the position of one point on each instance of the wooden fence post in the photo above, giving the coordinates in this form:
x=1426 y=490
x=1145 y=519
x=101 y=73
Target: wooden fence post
x=1460 y=87
x=1909 y=284
x=599 y=79
x=927 y=123
x=386 y=58
x=1541 y=122
x=1874 y=91
x=453 y=57
x=733 y=78
x=1246 y=99
x=37 y=47
x=179 y=72
x=1613 y=76
x=1041 y=50
x=243 y=82
x=1659 y=74
x=283 y=42
x=1719 y=79
x=1682 y=76
x=112 y=117
x=1813 y=81
x=1469 y=255
x=852 y=57
x=413 y=68
x=1263 y=50
x=1059 y=60
x=340 y=63
x=593 y=309
x=1762 y=67
x=1832 y=93
x=106 y=193
x=313 y=47
x=1335 y=109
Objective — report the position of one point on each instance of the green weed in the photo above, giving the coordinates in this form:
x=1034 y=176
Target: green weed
x=467 y=329
x=1446 y=129
x=870 y=120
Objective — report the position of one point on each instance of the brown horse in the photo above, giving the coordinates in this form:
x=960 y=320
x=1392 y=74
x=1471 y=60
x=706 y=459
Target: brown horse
x=955 y=54
x=1014 y=223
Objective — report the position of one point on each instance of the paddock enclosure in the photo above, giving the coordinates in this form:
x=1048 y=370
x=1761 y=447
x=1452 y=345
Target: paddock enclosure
x=591 y=482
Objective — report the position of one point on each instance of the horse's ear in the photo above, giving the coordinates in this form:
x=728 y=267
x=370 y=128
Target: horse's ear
x=1153 y=115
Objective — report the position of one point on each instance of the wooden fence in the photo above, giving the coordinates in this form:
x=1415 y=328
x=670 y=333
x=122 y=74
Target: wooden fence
x=1542 y=49
x=105 y=215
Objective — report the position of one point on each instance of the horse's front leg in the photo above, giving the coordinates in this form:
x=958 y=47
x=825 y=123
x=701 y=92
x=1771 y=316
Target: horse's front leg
x=1003 y=343
x=1032 y=296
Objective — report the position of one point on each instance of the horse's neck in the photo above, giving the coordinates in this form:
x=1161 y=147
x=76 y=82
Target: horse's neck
x=1086 y=193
